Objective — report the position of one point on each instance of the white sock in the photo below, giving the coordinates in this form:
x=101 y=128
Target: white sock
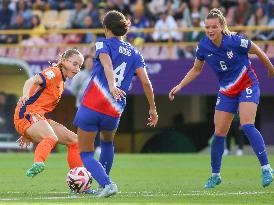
x=267 y=166
x=216 y=174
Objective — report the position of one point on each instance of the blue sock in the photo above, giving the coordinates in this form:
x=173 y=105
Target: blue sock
x=217 y=150
x=95 y=168
x=107 y=155
x=257 y=142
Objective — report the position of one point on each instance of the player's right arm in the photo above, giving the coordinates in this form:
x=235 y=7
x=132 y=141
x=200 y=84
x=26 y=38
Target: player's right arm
x=35 y=80
x=190 y=76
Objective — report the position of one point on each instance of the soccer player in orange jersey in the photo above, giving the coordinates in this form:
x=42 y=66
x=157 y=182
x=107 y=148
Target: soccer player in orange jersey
x=41 y=93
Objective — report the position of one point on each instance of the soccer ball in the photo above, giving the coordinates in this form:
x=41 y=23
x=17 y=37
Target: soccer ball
x=79 y=179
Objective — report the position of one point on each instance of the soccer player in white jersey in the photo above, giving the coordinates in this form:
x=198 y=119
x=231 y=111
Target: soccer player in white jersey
x=104 y=100
x=227 y=54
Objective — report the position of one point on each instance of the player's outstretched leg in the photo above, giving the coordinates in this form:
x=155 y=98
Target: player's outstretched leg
x=217 y=150
x=99 y=174
x=41 y=153
x=35 y=169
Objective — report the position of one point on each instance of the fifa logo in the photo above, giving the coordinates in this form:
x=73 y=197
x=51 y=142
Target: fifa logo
x=229 y=54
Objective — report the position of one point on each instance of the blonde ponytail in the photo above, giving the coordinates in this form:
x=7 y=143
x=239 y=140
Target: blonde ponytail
x=217 y=13
x=67 y=54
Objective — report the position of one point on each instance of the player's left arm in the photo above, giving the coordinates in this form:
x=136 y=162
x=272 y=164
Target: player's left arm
x=254 y=49
x=108 y=69
x=142 y=75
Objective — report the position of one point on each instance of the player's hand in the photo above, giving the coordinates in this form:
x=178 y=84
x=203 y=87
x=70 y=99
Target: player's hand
x=153 y=118
x=23 y=100
x=173 y=92
x=24 y=143
x=117 y=93
x=270 y=73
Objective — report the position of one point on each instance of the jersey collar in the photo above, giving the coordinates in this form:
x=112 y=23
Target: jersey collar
x=116 y=38
x=223 y=39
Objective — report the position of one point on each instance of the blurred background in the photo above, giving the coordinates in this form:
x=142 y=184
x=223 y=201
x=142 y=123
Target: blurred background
x=34 y=32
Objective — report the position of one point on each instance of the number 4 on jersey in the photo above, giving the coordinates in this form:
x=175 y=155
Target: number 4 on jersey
x=119 y=73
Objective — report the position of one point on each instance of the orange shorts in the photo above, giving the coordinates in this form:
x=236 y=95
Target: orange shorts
x=21 y=125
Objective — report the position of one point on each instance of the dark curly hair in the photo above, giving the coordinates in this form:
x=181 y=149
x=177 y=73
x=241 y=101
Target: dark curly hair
x=116 y=22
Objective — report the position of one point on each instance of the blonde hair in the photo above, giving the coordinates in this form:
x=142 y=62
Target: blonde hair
x=217 y=13
x=67 y=54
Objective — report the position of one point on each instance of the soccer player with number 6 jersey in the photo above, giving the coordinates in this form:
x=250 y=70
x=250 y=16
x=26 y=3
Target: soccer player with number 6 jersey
x=115 y=64
x=227 y=54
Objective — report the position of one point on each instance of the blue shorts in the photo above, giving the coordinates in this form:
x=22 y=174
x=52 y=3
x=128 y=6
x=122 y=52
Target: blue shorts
x=231 y=104
x=92 y=121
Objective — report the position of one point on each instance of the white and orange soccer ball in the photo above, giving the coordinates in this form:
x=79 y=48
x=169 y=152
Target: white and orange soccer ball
x=79 y=179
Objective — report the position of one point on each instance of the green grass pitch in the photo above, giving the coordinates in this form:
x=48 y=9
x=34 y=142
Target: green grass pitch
x=142 y=179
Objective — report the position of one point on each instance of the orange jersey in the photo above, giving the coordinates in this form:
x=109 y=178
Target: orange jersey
x=45 y=97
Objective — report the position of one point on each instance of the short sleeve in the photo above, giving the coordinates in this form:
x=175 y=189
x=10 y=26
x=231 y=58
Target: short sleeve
x=242 y=43
x=199 y=53
x=140 y=62
x=48 y=76
x=101 y=47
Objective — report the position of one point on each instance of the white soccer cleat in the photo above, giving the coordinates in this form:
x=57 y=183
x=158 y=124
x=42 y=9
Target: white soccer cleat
x=239 y=152
x=226 y=152
x=108 y=190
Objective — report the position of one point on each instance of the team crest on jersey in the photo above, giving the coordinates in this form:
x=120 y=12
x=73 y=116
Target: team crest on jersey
x=99 y=45
x=50 y=74
x=229 y=54
x=244 y=43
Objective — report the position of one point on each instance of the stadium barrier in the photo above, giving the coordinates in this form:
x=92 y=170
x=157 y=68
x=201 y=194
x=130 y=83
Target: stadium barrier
x=20 y=49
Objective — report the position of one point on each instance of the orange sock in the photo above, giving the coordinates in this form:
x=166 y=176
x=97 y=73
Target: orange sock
x=43 y=149
x=74 y=159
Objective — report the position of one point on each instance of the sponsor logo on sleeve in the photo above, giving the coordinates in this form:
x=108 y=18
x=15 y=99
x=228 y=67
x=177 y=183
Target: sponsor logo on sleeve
x=99 y=45
x=244 y=43
x=50 y=74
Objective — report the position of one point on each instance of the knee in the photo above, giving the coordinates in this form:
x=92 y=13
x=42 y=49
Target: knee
x=53 y=137
x=72 y=140
x=246 y=120
x=69 y=139
x=220 y=132
x=221 y=129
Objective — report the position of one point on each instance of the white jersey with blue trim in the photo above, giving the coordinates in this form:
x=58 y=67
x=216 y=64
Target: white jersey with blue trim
x=125 y=60
x=230 y=62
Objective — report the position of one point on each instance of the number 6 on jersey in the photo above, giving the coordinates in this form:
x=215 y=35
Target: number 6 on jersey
x=223 y=65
